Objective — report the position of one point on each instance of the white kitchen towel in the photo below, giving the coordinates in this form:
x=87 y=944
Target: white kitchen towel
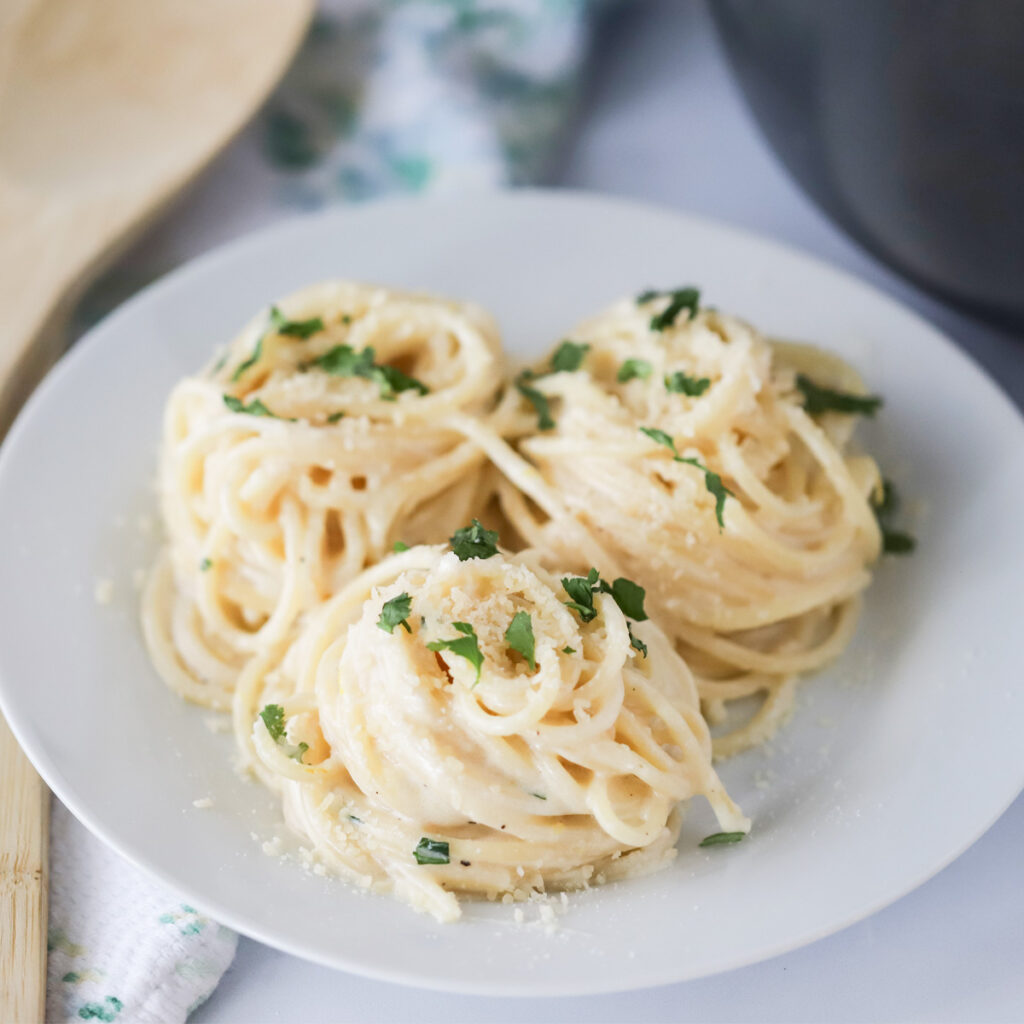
x=386 y=96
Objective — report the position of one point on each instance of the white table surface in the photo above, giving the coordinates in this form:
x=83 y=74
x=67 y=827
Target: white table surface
x=661 y=120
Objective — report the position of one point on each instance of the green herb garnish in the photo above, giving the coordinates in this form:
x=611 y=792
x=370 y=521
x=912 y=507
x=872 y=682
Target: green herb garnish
x=432 y=851
x=273 y=719
x=335 y=416
x=251 y=361
x=393 y=381
x=635 y=642
x=539 y=796
x=680 y=299
x=568 y=650
x=715 y=487
x=569 y=356
x=894 y=542
x=205 y=564
x=661 y=437
x=638 y=368
x=537 y=399
x=295 y=328
x=629 y=596
x=818 y=399
x=722 y=838
x=345 y=361
x=581 y=590
x=474 y=541
x=712 y=481
x=399 y=546
x=683 y=384
x=519 y=637
x=254 y=408
x=465 y=646
x=394 y=613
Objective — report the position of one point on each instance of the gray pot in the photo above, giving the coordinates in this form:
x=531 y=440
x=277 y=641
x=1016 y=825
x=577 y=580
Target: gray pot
x=904 y=120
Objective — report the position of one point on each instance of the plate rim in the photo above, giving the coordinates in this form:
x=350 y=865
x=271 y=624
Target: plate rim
x=203 y=264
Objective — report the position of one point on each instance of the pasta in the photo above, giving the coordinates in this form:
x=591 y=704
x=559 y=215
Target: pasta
x=513 y=781
x=297 y=459
x=445 y=720
x=646 y=430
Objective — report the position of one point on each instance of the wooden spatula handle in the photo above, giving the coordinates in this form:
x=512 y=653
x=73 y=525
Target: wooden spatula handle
x=24 y=831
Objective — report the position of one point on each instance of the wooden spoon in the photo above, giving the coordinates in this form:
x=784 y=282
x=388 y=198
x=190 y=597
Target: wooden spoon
x=108 y=108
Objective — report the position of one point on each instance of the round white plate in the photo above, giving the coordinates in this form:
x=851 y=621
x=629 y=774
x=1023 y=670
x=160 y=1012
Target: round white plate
x=896 y=760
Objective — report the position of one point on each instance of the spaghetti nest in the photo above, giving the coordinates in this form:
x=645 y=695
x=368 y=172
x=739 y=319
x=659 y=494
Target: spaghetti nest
x=321 y=436
x=443 y=751
x=672 y=445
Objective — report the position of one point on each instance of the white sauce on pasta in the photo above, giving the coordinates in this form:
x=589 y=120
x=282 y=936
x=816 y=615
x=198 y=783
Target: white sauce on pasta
x=772 y=593
x=351 y=417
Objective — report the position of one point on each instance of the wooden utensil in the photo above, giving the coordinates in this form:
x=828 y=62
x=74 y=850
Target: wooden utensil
x=108 y=108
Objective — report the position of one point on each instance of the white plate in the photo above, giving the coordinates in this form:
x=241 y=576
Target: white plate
x=896 y=760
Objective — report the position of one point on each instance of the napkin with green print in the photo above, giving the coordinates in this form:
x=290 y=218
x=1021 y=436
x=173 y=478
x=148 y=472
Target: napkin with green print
x=386 y=97
x=122 y=948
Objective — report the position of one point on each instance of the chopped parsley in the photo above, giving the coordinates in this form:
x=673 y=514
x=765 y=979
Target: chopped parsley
x=399 y=546
x=335 y=416
x=537 y=399
x=569 y=356
x=896 y=543
x=393 y=381
x=251 y=361
x=679 y=299
x=712 y=481
x=886 y=504
x=345 y=361
x=465 y=646
x=205 y=564
x=302 y=329
x=634 y=641
x=683 y=384
x=723 y=838
x=568 y=650
x=432 y=851
x=519 y=637
x=818 y=399
x=254 y=408
x=661 y=437
x=634 y=368
x=395 y=612
x=278 y=323
x=539 y=796
x=273 y=719
x=474 y=541
x=629 y=597
x=581 y=590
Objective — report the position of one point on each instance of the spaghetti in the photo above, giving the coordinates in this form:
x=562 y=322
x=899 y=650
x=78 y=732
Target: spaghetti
x=318 y=439
x=429 y=773
x=680 y=454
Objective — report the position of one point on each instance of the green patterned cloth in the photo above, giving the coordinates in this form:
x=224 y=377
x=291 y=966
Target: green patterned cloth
x=386 y=97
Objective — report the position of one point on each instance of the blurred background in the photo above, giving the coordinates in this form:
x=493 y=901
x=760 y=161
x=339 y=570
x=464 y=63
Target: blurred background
x=883 y=136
